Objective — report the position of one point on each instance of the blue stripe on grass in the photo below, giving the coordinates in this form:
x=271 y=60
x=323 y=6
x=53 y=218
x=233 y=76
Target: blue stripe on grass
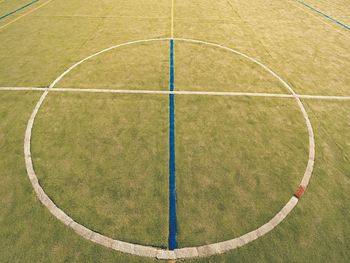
x=325 y=15
x=19 y=9
x=172 y=65
x=172 y=243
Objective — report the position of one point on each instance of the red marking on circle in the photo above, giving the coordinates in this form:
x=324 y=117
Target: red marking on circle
x=299 y=192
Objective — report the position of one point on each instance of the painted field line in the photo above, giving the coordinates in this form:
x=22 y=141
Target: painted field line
x=147 y=251
x=174 y=92
x=156 y=92
x=325 y=15
x=172 y=242
x=25 y=14
x=18 y=9
x=320 y=97
x=319 y=18
x=22 y=88
x=166 y=92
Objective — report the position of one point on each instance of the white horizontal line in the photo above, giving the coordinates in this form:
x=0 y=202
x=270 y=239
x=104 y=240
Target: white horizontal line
x=165 y=92
x=321 y=97
x=22 y=88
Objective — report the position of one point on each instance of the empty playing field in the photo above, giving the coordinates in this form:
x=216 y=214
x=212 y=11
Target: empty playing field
x=175 y=130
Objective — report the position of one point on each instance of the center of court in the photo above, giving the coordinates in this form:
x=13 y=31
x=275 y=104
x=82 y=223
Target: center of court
x=174 y=251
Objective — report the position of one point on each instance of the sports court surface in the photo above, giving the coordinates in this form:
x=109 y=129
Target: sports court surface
x=176 y=130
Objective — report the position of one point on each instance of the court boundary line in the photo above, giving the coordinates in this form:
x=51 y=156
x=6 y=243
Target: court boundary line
x=324 y=14
x=25 y=14
x=184 y=92
x=18 y=9
x=308 y=12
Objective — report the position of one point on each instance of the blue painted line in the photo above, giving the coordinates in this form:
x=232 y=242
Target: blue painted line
x=325 y=15
x=19 y=9
x=172 y=242
x=172 y=65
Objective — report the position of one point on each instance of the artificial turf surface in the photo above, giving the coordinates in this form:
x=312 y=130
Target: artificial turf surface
x=103 y=158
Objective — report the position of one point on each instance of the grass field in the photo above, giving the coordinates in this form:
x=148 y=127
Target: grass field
x=102 y=144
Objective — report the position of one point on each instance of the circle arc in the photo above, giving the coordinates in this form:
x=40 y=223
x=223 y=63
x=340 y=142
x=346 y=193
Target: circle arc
x=148 y=251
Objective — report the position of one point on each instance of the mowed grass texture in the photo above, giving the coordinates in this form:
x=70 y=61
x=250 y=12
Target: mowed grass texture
x=135 y=66
x=103 y=160
x=317 y=229
x=202 y=67
x=28 y=232
x=308 y=53
x=239 y=161
x=40 y=46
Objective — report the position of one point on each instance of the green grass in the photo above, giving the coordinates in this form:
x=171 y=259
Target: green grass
x=136 y=66
x=38 y=48
x=207 y=68
x=29 y=233
x=317 y=229
x=239 y=161
x=103 y=160
x=309 y=54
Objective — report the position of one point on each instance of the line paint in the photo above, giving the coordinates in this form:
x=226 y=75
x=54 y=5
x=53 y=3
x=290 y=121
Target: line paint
x=172 y=242
x=320 y=18
x=171 y=65
x=318 y=97
x=147 y=251
x=325 y=15
x=164 y=92
x=19 y=9
x=25 y=14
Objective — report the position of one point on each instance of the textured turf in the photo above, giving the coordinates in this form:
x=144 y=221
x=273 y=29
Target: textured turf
x=104 y=158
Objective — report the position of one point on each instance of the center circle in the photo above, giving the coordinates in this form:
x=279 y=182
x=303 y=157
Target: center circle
x=151 y=251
